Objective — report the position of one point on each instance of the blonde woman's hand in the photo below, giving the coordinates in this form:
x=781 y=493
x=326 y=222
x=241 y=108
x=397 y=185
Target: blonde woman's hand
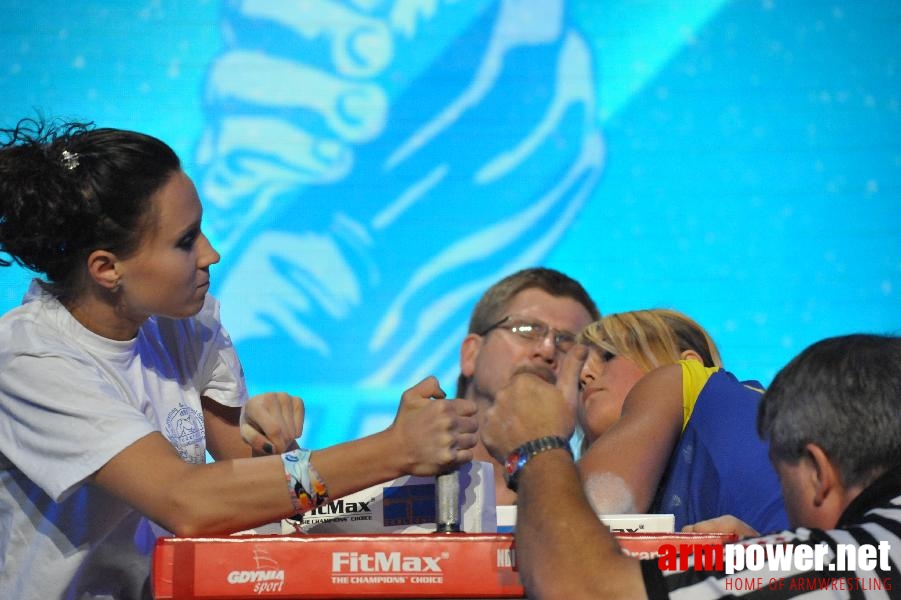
x=722 y=524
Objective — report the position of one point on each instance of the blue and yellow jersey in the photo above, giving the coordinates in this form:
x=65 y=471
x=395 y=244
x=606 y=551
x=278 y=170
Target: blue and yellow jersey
x=719 y=465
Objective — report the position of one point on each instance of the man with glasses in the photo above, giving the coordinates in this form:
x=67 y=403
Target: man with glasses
x=831 y=420
x=525 y=323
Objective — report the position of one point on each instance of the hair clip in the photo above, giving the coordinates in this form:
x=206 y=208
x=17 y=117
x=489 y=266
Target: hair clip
x=69 y=159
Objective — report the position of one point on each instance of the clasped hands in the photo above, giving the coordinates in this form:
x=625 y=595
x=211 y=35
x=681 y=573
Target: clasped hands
x=439 y=435
x=529 y=407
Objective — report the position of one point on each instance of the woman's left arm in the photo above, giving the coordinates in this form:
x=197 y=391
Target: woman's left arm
x=622 y=469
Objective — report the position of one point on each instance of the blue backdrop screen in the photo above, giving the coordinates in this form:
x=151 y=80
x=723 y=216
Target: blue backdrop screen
x=368 y=168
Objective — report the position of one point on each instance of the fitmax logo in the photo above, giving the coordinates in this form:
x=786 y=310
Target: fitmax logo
x=384 y=562
x=340 y=507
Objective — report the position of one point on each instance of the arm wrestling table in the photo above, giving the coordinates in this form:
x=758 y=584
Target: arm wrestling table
x=435 y=565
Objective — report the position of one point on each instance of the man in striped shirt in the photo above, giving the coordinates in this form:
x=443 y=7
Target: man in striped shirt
x=832 y=418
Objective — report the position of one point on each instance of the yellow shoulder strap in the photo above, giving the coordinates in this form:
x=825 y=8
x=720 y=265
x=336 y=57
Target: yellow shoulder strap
x=694 y=378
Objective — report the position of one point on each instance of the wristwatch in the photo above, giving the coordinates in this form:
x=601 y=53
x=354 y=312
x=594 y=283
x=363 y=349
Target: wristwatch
x=517 y=459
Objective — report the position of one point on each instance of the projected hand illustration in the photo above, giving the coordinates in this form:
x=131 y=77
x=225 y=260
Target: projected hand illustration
x=370 y=167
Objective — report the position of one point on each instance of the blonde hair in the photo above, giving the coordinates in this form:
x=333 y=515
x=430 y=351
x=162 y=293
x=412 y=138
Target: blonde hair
x=651 y=338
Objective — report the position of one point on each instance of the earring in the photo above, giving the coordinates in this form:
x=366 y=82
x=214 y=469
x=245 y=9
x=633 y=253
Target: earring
x=116 y=284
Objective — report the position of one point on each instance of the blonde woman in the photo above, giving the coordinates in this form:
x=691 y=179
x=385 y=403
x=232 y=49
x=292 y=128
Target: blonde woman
x=667 y=429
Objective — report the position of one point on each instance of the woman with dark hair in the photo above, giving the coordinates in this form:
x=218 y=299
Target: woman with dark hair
x=116 y=378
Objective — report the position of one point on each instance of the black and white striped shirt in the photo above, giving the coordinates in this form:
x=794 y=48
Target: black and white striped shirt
x=873 y=517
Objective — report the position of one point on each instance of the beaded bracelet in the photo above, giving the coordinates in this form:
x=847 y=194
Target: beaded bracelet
x=306 y=487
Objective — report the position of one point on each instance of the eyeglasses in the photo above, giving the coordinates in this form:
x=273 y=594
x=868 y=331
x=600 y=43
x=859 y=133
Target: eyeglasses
x=534 y=330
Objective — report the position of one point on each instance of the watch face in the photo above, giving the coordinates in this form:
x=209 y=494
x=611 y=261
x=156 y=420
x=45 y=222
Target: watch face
x=512 y=464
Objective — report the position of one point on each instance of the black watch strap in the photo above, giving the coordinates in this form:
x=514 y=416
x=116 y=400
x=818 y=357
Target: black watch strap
x=519 y=457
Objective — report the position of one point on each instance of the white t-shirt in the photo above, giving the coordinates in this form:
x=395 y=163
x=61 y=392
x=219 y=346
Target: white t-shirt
x=70 y=400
